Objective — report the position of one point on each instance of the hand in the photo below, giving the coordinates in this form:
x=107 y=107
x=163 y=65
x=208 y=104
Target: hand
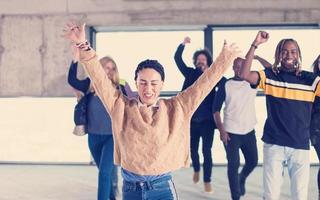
x=261 y=37
x=226 y=57
x=224 y=137
x=232 y=50
x=75 y=33
x=186 y=40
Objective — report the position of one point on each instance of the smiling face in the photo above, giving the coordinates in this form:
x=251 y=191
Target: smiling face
x=109 y=68
x=149 y=86
x=201 y=62
x=289 y=55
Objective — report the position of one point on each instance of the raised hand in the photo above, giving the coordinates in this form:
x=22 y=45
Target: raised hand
x=75 y=33
x=231 y=50
x=186 y=40
x=226 y=56
x=261 y=37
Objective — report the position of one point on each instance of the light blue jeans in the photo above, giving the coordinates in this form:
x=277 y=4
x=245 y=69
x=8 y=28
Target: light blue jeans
x=274 y=159
x=160 y=189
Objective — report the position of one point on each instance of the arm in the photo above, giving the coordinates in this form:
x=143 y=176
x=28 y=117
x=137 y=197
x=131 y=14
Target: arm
x=263 y=62
x=251 y=76
x=191 y=98
x=216 y=107
x=103 y=86
x=81 y=85
x=183 y=68
x=224 y=136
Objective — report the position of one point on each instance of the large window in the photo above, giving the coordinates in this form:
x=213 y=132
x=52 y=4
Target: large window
x=308 y=40
x=128 y=48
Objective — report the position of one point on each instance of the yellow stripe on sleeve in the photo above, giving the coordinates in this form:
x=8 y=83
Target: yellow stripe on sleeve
x=262 y=82
x=317 y=92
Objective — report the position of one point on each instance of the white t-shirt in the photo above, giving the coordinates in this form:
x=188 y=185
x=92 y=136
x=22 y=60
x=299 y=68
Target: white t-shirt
x=239 y=111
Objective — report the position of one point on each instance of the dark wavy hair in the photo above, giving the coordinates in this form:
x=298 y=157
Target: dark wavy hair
x=152 y=64
x=206 y=53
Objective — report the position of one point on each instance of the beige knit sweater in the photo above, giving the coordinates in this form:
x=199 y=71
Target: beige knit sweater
x=148 y=140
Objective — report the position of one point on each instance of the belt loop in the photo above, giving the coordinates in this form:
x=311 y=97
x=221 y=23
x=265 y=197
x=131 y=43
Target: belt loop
x=149 y=185
x=134 y=187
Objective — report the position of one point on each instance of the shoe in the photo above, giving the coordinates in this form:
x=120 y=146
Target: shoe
x=196 y=177
x=242 y=183
x=208 y=187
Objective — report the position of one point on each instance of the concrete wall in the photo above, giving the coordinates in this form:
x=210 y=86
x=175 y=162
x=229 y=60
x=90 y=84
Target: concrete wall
x=34 y=58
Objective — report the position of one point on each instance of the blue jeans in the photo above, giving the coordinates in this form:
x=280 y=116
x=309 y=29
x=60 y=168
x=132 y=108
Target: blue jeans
x=160 y=189
x=274 y=159
x=101 y=148
x=205 y=130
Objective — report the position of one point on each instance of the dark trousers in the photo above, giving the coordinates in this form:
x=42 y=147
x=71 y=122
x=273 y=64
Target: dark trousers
x=205 y=130
x=317 y=148
x=248 y=145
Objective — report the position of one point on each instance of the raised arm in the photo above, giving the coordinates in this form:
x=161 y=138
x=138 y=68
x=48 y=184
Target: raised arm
x=191 y=98
x=246 y=74
x=103 y=86
x=183 y=68
x=81 y=85
x=263 y=61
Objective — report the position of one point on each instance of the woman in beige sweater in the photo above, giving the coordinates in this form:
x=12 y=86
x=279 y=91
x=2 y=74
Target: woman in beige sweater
x=151 y=135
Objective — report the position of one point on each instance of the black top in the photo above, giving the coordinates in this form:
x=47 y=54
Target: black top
x=289 y=100
x=204 y=111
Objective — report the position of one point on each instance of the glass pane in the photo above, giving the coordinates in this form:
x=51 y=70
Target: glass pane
x=308 y=41
x=129 y=48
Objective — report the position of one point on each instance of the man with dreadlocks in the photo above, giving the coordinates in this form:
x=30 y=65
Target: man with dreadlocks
x=290 y=93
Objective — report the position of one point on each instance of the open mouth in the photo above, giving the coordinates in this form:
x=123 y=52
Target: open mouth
x=289 y=61
x=148 y=96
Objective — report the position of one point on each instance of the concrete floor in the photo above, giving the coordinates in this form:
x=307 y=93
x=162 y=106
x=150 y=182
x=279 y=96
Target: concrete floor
x=78 y=182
